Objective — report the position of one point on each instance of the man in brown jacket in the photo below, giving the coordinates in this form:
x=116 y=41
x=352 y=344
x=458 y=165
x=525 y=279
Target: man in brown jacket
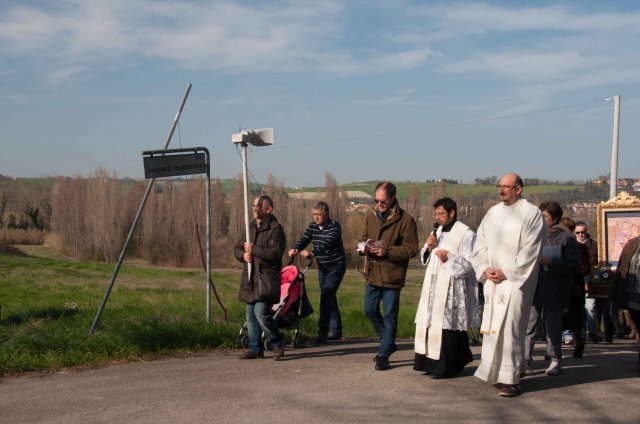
x=385 y=266
x=261 y=289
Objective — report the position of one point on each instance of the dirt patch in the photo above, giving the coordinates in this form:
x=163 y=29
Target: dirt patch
x=11 y=250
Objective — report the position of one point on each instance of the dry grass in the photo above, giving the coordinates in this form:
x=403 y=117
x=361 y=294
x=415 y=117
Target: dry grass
x=9 y=236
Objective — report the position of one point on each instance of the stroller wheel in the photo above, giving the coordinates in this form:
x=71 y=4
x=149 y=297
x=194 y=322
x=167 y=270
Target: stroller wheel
x=244 y=341
x=298 y=341
x=267 y=344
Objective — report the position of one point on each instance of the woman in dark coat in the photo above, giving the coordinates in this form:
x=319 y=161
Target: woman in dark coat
x=559 y=262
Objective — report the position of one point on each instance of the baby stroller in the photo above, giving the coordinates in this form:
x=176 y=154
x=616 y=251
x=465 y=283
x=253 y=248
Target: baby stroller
x=294 y=305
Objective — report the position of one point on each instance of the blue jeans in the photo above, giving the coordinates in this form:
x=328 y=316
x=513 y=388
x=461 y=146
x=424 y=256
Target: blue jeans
x=259 y=319
x=330 y=278
x=386 y=326
x=600 y=309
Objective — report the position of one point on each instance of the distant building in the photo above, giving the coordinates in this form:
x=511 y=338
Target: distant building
x=581 y=207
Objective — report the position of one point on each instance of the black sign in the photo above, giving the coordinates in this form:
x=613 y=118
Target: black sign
x=174 y=165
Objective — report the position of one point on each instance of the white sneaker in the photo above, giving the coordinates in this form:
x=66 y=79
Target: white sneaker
x=554 y=369
x=567 y=339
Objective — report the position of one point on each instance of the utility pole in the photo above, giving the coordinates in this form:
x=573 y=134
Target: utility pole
x=613 y=185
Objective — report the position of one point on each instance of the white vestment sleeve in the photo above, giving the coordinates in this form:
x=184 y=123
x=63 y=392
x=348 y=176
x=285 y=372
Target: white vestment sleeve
x=531 y=238
x=479 y=258
x=458 y=264
x=424 y=250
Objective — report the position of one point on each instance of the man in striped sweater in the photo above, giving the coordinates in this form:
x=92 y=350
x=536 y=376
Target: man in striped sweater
x=326 y=236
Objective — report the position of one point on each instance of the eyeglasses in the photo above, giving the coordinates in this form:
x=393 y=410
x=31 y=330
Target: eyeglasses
x=580 y=232
x=381 y=202
x=506 y=187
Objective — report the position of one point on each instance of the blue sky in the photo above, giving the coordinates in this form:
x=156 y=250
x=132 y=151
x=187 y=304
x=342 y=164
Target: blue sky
x=368 y=90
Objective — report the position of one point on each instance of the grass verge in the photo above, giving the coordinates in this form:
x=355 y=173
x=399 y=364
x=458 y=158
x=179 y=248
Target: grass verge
x=48 y=305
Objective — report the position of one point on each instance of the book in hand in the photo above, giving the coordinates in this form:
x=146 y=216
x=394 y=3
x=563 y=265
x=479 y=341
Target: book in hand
x=366 y=246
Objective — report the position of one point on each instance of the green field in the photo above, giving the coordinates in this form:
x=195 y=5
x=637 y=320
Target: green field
x=48 y=304
x=467 y=190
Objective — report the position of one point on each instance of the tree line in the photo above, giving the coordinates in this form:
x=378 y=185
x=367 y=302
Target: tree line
x=89 y=218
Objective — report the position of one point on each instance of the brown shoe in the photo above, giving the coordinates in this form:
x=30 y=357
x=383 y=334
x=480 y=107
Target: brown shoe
x=509 y=390
x=278 y=353
x=250 y=354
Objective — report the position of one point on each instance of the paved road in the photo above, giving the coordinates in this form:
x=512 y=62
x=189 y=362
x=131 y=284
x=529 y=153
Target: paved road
x=331 y=383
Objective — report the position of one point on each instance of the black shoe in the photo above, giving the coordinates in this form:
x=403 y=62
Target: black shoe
x=278 y=353
x=333 y=337
x=394 y=348
x=382 y=363
x=321 y=339
x=250 y=354
x=595 y=338
x=437 y=376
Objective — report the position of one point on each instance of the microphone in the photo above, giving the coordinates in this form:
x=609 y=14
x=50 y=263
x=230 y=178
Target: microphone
x=435 y=227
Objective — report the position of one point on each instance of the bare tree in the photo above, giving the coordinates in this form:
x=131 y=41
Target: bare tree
x=412 y=205
x=335 y=198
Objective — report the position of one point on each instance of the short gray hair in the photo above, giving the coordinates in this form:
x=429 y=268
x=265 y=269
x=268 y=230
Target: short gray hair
x=322 y=207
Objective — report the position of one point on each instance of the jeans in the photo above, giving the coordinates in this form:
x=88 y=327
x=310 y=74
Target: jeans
x=330 y=278
x=385 y=326
x=590 y=316
x=601 y=310
x=553 y=321
x=259 y=318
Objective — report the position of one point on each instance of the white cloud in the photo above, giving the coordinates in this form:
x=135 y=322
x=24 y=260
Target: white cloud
x=281 y=36
x=524 y=44
x=62 y=75
x=476 y=17
x=522 y=65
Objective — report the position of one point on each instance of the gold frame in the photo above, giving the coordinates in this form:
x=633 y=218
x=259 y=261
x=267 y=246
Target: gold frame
x=625 y=206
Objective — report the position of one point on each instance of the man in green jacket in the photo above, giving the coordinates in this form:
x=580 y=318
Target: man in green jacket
x=389 y=239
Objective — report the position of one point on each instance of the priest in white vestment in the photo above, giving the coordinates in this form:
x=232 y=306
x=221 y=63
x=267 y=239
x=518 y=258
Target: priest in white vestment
x=449 y=300
x=505 y=260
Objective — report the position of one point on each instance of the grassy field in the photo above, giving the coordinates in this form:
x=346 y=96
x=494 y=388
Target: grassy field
x=467 y=190
x=48 y=304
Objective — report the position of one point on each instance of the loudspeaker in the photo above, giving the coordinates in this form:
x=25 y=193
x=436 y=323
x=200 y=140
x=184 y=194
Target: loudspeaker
x=260 y=137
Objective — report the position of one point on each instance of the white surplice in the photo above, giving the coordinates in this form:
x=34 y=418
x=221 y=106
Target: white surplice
x=449 y=298
x=509 y=238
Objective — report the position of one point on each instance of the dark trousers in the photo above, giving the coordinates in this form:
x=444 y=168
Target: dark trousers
x=330 y=278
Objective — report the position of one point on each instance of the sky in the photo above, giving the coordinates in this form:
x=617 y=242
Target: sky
x=366 y=90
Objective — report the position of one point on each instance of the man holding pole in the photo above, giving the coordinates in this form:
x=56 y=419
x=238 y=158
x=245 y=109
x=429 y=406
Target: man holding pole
x=261 y=289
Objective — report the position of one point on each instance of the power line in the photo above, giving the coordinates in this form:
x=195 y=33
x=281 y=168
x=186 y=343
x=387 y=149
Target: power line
x=447 y=125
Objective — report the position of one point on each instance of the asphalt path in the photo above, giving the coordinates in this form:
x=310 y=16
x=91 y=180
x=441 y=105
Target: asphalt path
x=330 y=383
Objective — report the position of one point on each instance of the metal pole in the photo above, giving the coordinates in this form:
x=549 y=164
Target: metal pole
x=613 y=185
x=246 y=202
x=208 y=238
x=136 y=220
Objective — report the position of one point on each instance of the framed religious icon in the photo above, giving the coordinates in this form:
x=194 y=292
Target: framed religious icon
x=618 y=222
